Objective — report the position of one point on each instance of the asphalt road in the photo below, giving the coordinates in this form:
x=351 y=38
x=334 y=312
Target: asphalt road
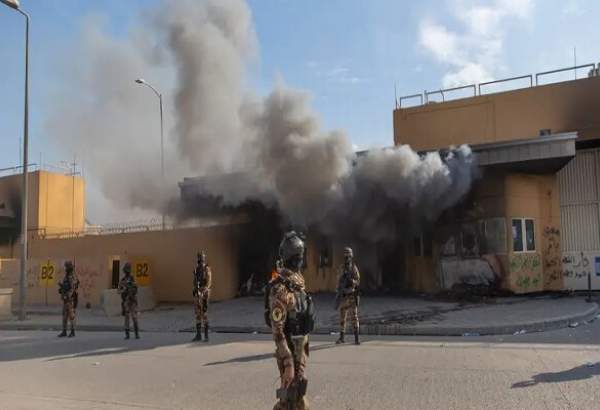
x=96 y=370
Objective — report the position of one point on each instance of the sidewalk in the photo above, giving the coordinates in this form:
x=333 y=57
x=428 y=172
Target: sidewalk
x=378 y=315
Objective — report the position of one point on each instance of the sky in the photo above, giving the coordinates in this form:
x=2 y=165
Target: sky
x=349 y=55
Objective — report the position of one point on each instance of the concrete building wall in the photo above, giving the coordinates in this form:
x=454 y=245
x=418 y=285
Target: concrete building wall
x=537 y=197
x=580 y=213
x=170 y=257
x=561 y=107
x=56 y=204
x=474 y=247
x=61 y=202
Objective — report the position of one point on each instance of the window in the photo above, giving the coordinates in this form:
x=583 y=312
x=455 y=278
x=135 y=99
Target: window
x=523 y=235
x=529 y=236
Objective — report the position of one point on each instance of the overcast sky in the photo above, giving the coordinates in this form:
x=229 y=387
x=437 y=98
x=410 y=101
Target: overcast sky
x=348 y=54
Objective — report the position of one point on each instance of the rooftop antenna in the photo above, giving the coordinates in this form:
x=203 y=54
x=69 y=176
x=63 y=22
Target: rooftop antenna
x=395 y=95
x=575 y=60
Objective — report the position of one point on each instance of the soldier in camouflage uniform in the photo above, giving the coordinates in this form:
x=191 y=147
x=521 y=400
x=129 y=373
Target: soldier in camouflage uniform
x=347 y=295
x=128 y=290
x=289 y=312
x=201 y=293
x=67 y=289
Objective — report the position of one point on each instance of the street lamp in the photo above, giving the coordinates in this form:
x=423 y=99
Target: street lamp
x=162 y=155
x=14 y=4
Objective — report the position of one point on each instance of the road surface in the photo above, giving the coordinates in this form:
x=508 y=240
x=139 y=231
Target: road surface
x=100 y=370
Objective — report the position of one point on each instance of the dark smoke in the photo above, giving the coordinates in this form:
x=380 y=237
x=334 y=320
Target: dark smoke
x=10 y=213
x=199 y=52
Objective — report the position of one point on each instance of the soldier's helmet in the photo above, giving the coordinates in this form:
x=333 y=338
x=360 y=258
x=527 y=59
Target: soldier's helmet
x=291 y=246
x=348 y=252
x=69 y=266
x=127 y=268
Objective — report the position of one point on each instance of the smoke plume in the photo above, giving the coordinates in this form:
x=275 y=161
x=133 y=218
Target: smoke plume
x=198 y=53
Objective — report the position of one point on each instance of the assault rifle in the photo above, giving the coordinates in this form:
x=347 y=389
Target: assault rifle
x=346 y=283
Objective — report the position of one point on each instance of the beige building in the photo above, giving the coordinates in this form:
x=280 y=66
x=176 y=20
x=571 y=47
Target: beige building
x=531 y=222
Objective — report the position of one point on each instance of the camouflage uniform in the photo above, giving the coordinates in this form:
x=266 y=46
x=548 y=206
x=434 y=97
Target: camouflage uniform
x=67 y=289
x=348 y=282
x=201 y=293
x=287 y=295
x=128 y=290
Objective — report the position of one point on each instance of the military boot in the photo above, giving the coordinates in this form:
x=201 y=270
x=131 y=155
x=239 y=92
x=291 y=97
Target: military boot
x=63 y=333
x=72 y=334
x=356 y=341
x=341 y=339
x=136 y=329
x=126 y=334
x=198 y=336
x=205 y=333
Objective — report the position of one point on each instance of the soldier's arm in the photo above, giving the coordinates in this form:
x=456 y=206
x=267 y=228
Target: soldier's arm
x=278 y=318
x=208 y=277
x=356 y=279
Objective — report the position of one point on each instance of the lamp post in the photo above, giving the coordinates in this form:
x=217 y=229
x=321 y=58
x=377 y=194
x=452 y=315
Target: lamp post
x=162 y=150
x=14 y=4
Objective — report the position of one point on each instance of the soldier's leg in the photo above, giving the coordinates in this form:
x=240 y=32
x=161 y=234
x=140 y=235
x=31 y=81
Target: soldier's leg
x=302 y=403
x=127 y=313
x=205 y=316
x=198 y=316
x=343 y=314
x=72 y=318
x=134 y=317
x=64 y=320
x=280 y=404
x=355 y=324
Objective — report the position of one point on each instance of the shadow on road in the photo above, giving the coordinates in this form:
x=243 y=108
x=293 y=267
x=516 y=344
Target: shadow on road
x=47 y=345
x=258 y=357
x=577 y=373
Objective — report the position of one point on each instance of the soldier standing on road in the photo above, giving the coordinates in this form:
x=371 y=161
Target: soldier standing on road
x=129 y=306
x=289 y=312
x=347 y=297
x=67 y=289
x=201 y=293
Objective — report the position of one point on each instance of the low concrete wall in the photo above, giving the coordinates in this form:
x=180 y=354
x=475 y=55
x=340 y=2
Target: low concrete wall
x=6 y=304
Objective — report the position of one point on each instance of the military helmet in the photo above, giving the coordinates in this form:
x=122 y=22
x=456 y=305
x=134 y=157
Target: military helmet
x=127 y=267
x=291 y=245
x=348 y=252
x=69 y=266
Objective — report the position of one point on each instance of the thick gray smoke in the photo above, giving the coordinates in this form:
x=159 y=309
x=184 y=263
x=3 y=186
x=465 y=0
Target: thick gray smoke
x=198 y=53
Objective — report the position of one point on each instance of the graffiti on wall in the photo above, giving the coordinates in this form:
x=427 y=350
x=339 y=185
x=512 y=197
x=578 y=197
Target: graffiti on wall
x=576 y=268
x=88 y=278
x=526 y=271
x=472 y=258
x=553 y=271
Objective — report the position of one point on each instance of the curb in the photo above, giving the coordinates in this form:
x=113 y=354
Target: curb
x=402 y=330
x=367 y=329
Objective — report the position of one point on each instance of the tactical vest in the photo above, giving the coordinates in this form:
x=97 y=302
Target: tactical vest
x=301 y=320
x=200 y=274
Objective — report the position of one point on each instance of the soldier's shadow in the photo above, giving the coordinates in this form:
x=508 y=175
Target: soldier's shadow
x=264 y=356
x=577 y=373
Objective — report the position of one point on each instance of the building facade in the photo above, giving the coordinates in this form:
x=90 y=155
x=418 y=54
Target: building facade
x=530 y=223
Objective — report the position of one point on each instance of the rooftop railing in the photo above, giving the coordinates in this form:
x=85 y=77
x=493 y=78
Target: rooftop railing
x=424 y=98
